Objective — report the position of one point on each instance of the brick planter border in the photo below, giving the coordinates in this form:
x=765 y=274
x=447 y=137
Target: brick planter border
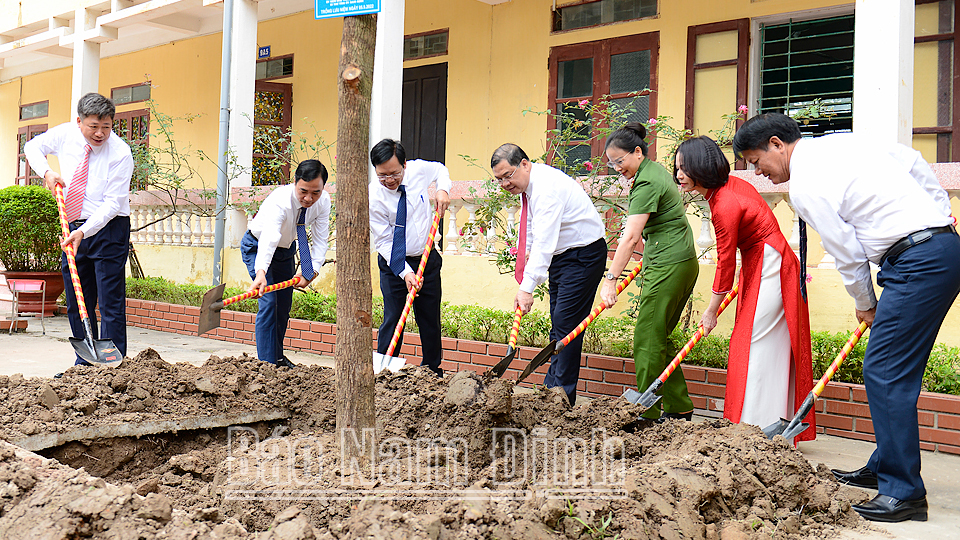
x=842 y=410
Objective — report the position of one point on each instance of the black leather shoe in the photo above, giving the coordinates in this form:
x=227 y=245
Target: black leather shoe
x=861 y=478
x=890 y=510
x=285 y=363
x=676 y=416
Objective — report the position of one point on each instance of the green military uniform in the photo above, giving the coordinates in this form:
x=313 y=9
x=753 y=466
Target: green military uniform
x=670 y=272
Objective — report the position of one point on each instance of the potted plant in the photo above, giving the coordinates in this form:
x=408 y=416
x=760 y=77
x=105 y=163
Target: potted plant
x=30 y=242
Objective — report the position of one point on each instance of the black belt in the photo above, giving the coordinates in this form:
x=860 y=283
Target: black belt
x=913 y=239
x=78 y=222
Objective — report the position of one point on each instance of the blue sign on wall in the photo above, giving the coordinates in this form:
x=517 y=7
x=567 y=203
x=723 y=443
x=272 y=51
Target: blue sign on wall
x=345 y=8
x=263 y=52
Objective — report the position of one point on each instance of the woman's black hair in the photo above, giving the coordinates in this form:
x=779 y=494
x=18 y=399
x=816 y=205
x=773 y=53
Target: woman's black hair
x=703 y=162
x=628 y=138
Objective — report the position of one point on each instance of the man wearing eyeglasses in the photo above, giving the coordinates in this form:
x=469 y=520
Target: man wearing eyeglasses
x=400 y=240
x=564 y=240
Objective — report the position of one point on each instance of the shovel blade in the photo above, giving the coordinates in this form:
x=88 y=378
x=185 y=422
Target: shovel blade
x=501 y=367
x=648 y=399
x=631 y=395
x=792 y=432
x=382 y=361
x=539 y=360
x=103 y=352
x=789 y=429
x=210 y=309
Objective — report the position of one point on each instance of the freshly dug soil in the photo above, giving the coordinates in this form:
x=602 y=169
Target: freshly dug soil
x=458 y=457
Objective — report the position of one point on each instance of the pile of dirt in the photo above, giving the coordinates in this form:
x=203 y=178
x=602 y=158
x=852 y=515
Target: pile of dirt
x=459 y=457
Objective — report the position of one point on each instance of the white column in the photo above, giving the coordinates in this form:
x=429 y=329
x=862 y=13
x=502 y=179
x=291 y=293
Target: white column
x=243 y=67
x=86 y=58
x=386 y=102
x=883 y=70
x=705 y=240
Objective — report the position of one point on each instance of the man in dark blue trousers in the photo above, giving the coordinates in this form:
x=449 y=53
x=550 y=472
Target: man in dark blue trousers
x=881 y=204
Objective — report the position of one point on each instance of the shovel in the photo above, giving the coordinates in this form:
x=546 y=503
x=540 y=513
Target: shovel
x=213 y=303
x=99 y=352
x=650 y=398
x=388 y=361
x=797 y=426
x=499 y=369
x=555 y=347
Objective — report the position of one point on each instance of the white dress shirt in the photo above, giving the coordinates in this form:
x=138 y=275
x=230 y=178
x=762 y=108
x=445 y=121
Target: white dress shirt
x=561 y=217
x=417 y=177
x=862 y=197
x=276 y=225
x=110 y=167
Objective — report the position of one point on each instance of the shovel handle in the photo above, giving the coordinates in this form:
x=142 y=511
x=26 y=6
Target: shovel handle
x=515 y=331
x=413 y=294
x=71 y=256
x=269 y=288
x=851 y=343
x=597 y=310
x=693 y=340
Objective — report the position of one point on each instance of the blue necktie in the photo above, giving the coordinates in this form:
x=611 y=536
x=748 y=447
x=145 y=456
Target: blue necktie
x=398 y=255
x=306 y=262
x=803 y=260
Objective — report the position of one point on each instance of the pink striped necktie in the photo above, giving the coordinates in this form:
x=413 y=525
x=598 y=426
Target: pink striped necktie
x=522 y=241
x=78 y=186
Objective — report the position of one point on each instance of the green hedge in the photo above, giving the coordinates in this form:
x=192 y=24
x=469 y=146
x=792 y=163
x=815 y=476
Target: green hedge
x=612 y=336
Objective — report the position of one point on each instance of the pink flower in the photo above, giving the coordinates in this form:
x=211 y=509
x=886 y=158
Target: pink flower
x=742 y=109
x=513 y=251
x=583 y=103
x=809 y=278
x=588 y=166
x=482 y=230
x=460 y=232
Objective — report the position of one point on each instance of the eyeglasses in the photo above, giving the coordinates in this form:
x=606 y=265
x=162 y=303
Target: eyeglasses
x=615 y=163
x=507 y=178
x=394 y=176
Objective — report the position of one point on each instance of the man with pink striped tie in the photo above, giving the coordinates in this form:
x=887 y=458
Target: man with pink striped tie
x=95 y=170
x=561 y=238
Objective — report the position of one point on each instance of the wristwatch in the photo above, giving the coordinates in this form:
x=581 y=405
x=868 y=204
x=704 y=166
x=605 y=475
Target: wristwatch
x=610 y=276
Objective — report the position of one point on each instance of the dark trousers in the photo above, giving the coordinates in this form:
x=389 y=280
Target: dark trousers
x=575 y=275
x=273 y=311
x=426 y=308
x=101 y=266
x=919 y=286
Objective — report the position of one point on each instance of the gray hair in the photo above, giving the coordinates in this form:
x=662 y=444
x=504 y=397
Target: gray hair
x=93 y=104
x=510 y=152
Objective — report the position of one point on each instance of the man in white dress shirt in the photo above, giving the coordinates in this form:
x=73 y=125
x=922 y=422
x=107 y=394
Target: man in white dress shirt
x=881 y=204
x=275 y=235
x=100 y=231
x=565 y=242
x=400 y=240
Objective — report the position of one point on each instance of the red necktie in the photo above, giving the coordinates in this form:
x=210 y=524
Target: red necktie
x=522 y=243
x=78 y=186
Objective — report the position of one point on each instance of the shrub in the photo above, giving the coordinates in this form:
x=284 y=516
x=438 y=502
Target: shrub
x=29 y=230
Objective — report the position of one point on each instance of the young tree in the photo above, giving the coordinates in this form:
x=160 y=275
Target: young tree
x=355 y=380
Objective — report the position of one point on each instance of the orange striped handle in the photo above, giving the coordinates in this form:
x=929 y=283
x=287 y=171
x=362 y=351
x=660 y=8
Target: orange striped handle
x=413 y=294
x=597 y=310
x=695 y=339
x=851 y=343
x=71 y=256
x=515 y=331
x=269 y=288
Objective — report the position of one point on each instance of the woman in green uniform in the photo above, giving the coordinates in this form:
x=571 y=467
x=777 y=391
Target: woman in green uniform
x=657 y=222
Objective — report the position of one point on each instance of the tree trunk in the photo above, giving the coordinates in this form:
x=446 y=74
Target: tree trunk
x=356 y=418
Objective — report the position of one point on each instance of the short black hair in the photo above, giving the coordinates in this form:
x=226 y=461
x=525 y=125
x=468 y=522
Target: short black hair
x=703 y=162
x=755 y=133
x=309 y=169
x=94 y=104
x=384 y=150
x=628 y=138
x=510 y=152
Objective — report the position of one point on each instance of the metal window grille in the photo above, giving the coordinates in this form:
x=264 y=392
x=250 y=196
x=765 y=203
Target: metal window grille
x=805 y=63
